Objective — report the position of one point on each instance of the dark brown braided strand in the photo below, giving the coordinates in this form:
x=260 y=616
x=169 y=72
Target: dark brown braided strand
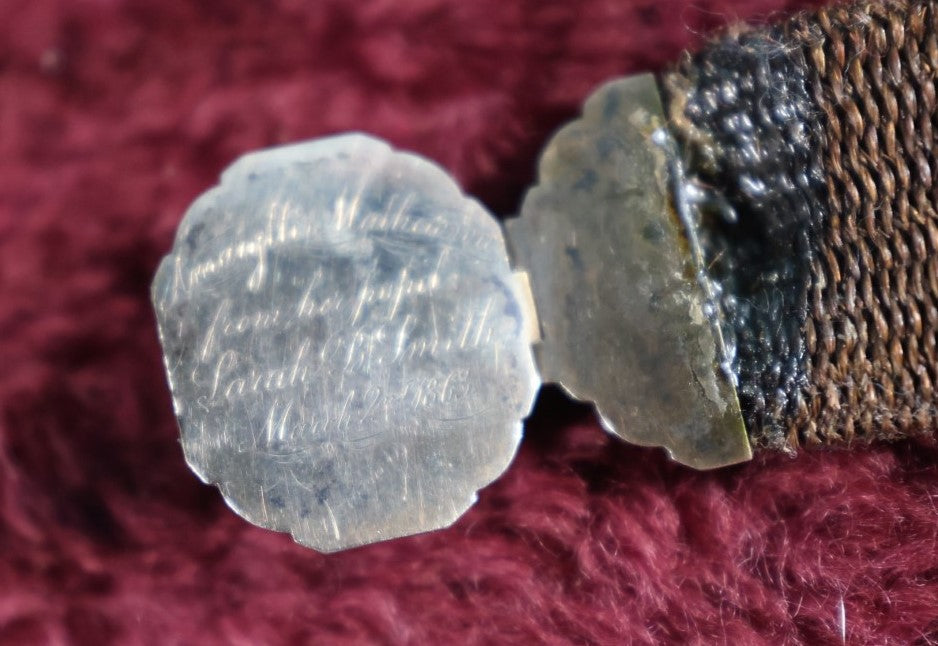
x=838 y=342
x=873 y=321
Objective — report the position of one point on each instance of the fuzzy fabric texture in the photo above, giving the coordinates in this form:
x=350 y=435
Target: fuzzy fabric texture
x=115 y=114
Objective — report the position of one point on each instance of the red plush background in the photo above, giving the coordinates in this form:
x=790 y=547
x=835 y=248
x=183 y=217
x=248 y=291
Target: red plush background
x=115 y=114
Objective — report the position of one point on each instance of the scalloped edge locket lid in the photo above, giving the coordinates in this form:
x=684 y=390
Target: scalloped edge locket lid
x=352 y=355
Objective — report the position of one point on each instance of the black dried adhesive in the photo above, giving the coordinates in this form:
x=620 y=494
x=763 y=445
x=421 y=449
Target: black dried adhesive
x=749 y=136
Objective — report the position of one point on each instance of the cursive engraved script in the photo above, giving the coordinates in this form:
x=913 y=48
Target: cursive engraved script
x=345 y=351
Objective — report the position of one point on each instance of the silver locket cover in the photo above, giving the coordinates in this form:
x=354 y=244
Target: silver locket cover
x=351 y=354
x=348 y=352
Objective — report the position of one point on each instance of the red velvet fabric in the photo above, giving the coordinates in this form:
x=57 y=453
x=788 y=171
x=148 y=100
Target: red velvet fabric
x=115 y=114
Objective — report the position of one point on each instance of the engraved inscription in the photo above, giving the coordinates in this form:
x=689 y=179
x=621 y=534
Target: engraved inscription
x=347 y=355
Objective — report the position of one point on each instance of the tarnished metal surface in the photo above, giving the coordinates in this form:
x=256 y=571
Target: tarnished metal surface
x=347 y=349
x=624 y=320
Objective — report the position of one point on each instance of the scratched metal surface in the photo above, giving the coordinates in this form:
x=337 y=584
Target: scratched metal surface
x=622 y=312
x=344 y=342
